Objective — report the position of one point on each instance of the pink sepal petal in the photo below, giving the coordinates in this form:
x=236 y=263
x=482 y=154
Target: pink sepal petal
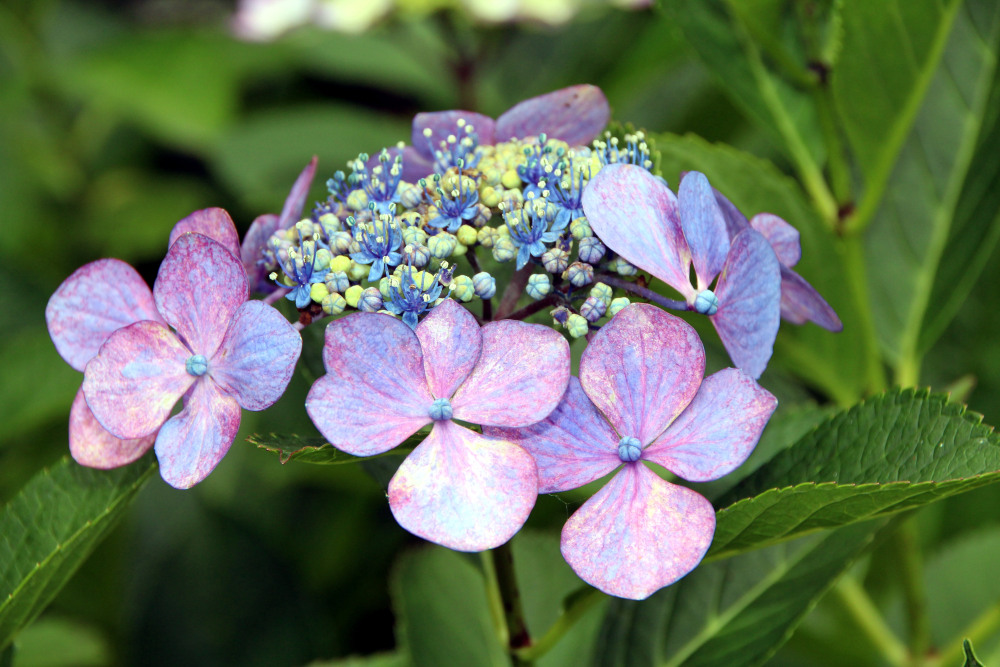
x=214 y=223
x=291 y=212
x=97 y=300
x=91 y=445
x=450 y=340
x=415 y=165
x=193 y=441
x=444 y=123
x=252 y=252
x=198 y=289
x=717 y=432
x=519 y=379
x=784 y=238
x=463 y=490
x=704 y=227
x=749 y=292
x=257 y=356
x=638 y=397
x=636 y=216
x=573 y=446
x=135 y=380
x=576 y=115
x=800 y=302
x=374 y=394
x=638 y=534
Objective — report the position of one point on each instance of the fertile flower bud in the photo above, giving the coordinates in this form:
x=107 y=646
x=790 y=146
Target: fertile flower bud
x=622 y=267
x=417 y=255
x=462 y=288
x=555 y=260
x=593 y=309
x=539 y=285
x=504 y=249
x=486 y=236
x=602 y=292
x=577 y=326
x=318 y=292
x=616 y=305
x=370 y=301
x=357 y=272
x=580 y=229
x=591 y=250
x=466 y=235
x=441 y=245
x=340 y=264
x=414 y=236
x=337 y=281
x=353 y=295
x=579 y=274
x=485 y=285
x=334 y=304
x=706 y=302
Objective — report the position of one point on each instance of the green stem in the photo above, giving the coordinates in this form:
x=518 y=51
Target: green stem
x=855 y=273
x=493 y=598
x=840 y=173
x=510 y=595
x=981 y=629
x=580 y=606
x=910 y=559
x=866 y=616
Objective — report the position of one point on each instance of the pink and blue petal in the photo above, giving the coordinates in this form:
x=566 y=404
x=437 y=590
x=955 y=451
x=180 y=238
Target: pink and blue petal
x=198 y=289
x=133 y=383
x=576 y=115
x=800 y=302
x=642 y=369
x=257 y=357
x=782 y=236
x=463 y=490
x=193 y=441
x=97 y=300
x=520 y=377
x=717 y=432
x=91 y=445
x=451 y=344
x=573 y=446
x=214 y=223
x=374 y=394
x=636 y=216
x=252 y=251
x=704 y=227
x=638 y=534
x=445 y=123
x=749 y=293
x=291 y=212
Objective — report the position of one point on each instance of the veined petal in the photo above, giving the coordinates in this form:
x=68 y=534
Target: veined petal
x=704 y=227
x=198 y=289
x=636 y=216
x=642 y=369
x=717 y=432
x=638 y=534
x=784 y=238
x=575 y=115
x=98 y=299
x=193 y=441
x=291 y=212
x=374 y=394
x=736 y=222
x=801 y=302
x=252 y=252
x=257 y=356
x=136 y=378
x=214 y=223
x=451 y=343
x=749 y=293
x=415 y=165
x=573 y=446
x=445 y=123
x=91 y=445
x=519 y=379
x=462 y=490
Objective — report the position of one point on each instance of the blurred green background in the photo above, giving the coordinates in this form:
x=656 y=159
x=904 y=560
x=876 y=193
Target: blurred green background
x=119 y=118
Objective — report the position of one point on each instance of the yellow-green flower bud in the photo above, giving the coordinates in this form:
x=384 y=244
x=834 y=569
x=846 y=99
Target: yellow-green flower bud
x=539 y=285
x=352 y=295
x=323 y=258
x=466 y=234
x=330 y=223
x=340 y=264
x=414 y=236
x=616 y=305
x=622 y=267
x=504 y=249
x=510 y=179
x=318 y=292
x=486 y=236
x=441 y=245
x=577 y=326
x=580 y=229
x=383 y=287
x=357 y=200
x=459 y=250
x=555 y=260
x=356 y=272
x=334 y=304
x=489 y=196
x=462 y=288
x=602 y=292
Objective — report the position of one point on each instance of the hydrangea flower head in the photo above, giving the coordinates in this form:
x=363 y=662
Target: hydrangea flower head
x=210 y=346
x=385 y=382
x=641 y=399
x=636 y=215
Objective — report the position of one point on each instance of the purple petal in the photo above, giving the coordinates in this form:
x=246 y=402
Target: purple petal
x=573 y=446
x=374 y=394
x=782 y=236
x=91 y=445
x=252 y=252
x=801 y=302
x=642 y=369
x=415 y=165
x=198 y=289
x=718 y=430
x=519 y=379
x=98 y=299
x=135 y=380
x=214 y=223
x=257 y=356
x=444 y=123
x=462 y=490
x=736 y=222
x=193 y=441
x=749 y=292
x=450 y=340
x=704 y=227
x=294 y=203
x=636 y=216
x=575 y=115
x=638 y=534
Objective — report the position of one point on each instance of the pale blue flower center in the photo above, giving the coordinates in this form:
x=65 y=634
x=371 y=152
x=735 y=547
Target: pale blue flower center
x=196 y=365
x=440 y=410
x=629 y=449
x=706 y=302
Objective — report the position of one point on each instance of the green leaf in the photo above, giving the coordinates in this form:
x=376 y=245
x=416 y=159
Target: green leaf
x=890 y=453
x=319 y=451
x=442 y=615
x=970 y=657
x=378 y=660
x=50 y=528
x=734 y=613
x=55 y=642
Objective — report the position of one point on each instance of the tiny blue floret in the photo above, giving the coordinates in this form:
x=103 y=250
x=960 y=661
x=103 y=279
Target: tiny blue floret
x=629 y=449
x=706 y=302
x=440 y=410
x=196 y=365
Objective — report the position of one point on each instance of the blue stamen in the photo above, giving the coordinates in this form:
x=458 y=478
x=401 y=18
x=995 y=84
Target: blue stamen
x=629 y=449
x=196 y=365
